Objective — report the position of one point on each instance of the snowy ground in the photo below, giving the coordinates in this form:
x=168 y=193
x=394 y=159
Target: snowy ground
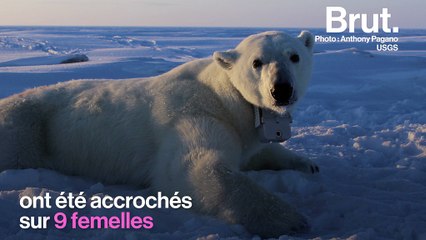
x=363 y=121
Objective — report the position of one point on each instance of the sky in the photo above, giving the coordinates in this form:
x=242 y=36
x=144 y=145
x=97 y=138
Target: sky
x=207 y=13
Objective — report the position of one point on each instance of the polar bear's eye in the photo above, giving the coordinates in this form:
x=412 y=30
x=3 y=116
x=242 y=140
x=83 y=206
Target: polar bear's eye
x=257 y=63
x=294 y=58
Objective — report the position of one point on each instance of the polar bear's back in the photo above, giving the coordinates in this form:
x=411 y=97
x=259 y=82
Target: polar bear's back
x=74 y=127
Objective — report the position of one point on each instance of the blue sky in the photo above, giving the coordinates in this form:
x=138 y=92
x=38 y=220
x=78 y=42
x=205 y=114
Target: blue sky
x=243 y=13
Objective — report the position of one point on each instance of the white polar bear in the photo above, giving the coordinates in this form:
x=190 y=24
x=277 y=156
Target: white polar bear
x=189 y=130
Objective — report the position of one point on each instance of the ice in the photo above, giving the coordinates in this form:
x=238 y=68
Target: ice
x=363 y=121
x=46 y=60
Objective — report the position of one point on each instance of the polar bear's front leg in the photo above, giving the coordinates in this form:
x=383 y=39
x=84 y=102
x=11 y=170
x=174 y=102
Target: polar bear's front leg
x=275 y=157
x=204 y=164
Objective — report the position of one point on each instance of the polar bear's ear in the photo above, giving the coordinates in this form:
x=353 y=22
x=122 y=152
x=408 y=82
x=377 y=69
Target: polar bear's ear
x=307 y=39
x=225 y=59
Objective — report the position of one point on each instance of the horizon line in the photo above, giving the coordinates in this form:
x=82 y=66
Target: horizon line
x=150 y=26
x=183 y=26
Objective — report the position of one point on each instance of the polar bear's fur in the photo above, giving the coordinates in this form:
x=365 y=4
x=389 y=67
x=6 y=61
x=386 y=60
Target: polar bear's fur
x=189 y=130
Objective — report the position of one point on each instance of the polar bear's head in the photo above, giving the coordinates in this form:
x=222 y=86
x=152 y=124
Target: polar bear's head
x=271 y=69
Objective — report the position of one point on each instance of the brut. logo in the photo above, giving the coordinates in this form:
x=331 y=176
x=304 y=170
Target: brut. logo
x=337 y=16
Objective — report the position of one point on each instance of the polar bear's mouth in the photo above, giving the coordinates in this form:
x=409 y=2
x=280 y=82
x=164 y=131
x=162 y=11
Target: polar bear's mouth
x=286 y=103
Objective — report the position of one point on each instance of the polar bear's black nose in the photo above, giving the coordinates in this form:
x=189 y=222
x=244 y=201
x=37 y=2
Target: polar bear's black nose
x=282 y=93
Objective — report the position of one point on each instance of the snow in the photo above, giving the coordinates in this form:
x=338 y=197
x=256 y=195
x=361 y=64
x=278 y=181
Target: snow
x=363 y=121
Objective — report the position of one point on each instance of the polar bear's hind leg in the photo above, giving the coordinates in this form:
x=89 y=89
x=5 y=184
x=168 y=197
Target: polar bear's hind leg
x=22 y=133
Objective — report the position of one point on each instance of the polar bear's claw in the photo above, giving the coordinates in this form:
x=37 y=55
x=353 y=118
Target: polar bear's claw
x=314 y=169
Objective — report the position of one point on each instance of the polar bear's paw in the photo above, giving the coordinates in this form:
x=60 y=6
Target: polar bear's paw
x=275 y=218
x=306 y=165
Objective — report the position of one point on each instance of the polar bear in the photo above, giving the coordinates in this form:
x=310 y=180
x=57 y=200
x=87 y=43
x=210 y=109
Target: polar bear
x=190 y=130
